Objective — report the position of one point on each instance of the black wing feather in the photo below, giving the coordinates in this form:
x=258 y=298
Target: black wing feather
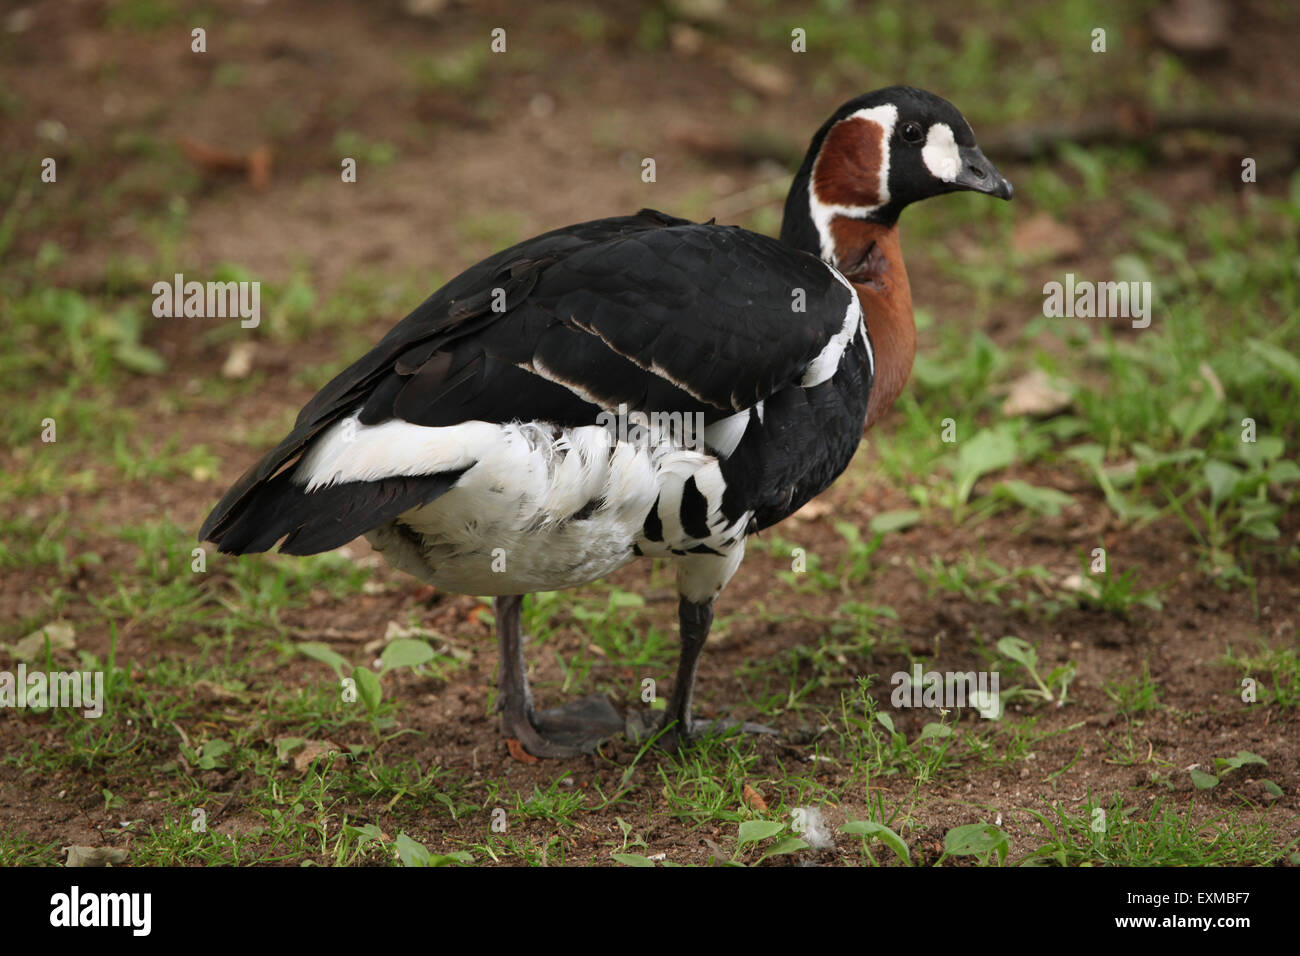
x=655 y=312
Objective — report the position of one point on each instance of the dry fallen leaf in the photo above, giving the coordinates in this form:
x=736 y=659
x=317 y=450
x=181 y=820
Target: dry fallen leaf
x=427 y=9
x=763 y=78
x=518 y=752
x=813 y=510
x=1035 y=394
x=719 y=854
x=93 y=856
x=1212 y=380
x=1078 y=584
x=312 y=749
x=1192 y=26
x=61 y=635
x=685 y=39
x=302 y=752
x=1044 y=239
x=256 y=165
x=259 y=167
x=239 y=363
x=753 y=799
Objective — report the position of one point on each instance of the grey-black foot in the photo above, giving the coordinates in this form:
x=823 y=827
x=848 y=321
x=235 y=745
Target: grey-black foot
x=641 y=727
x=576 y=728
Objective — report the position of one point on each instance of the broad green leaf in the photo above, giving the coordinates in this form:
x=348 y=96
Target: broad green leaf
x=1263 y=529
x=1151 y=461
x=1283 y=472
x=1222 y=479
x=139 y=358
x=977 y=839
x=751 y=831
x=319 y=652
x=931 y=374
x=881 y=832
x=935 y=731
x=791 y=844
x=1191 y=415
x=1278 y=359
x=368 y=688
x=1043 y=501
x=987 y=450
x=849 y=532
x=1131 y=268
x=1204 y=781
x=888 y=521
x=1260 y=452
x=885 y=721
x=365 y=835
x=1018 y=650
x=1093 y=456
x=209 y=755
x=631 y=859
x=404 y=652
x=411 y=852
x=286 y=746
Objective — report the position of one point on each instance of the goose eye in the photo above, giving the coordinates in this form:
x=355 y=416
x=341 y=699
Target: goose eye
x=912 y=132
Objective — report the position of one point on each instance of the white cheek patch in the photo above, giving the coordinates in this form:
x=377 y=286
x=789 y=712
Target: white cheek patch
x=940 y=153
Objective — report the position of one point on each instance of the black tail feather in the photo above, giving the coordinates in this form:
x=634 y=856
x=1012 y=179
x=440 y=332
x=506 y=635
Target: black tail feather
x=320 y=520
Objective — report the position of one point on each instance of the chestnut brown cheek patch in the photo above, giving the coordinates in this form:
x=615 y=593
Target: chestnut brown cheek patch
x=847 y=172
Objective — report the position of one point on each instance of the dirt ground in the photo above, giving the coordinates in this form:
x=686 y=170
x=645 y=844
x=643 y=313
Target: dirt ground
x=556 y=136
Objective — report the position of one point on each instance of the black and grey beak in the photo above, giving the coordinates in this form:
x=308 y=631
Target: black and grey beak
x=979 y=174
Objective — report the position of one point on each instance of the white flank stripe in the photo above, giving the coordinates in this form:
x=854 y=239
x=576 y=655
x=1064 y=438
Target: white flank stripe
x=828 y=360
x=350 y=451
x=723 y=436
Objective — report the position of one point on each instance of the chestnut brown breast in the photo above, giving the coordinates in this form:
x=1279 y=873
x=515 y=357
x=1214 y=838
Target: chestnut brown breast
x=869 y=256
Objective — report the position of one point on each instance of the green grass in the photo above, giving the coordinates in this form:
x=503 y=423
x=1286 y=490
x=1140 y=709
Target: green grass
x=1191 y=423
x=1134 y=694
x=1275 y=673
x=1162 y=835
x=217 y=696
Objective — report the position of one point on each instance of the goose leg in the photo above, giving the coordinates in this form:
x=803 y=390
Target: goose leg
x=696 y=620
x=569 y=731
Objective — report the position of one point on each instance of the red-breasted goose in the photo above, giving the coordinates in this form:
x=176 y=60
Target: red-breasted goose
x=529 y=426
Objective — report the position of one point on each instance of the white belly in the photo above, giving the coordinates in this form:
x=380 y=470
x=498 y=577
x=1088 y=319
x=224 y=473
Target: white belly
x=542 y=509
x=538 y=507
